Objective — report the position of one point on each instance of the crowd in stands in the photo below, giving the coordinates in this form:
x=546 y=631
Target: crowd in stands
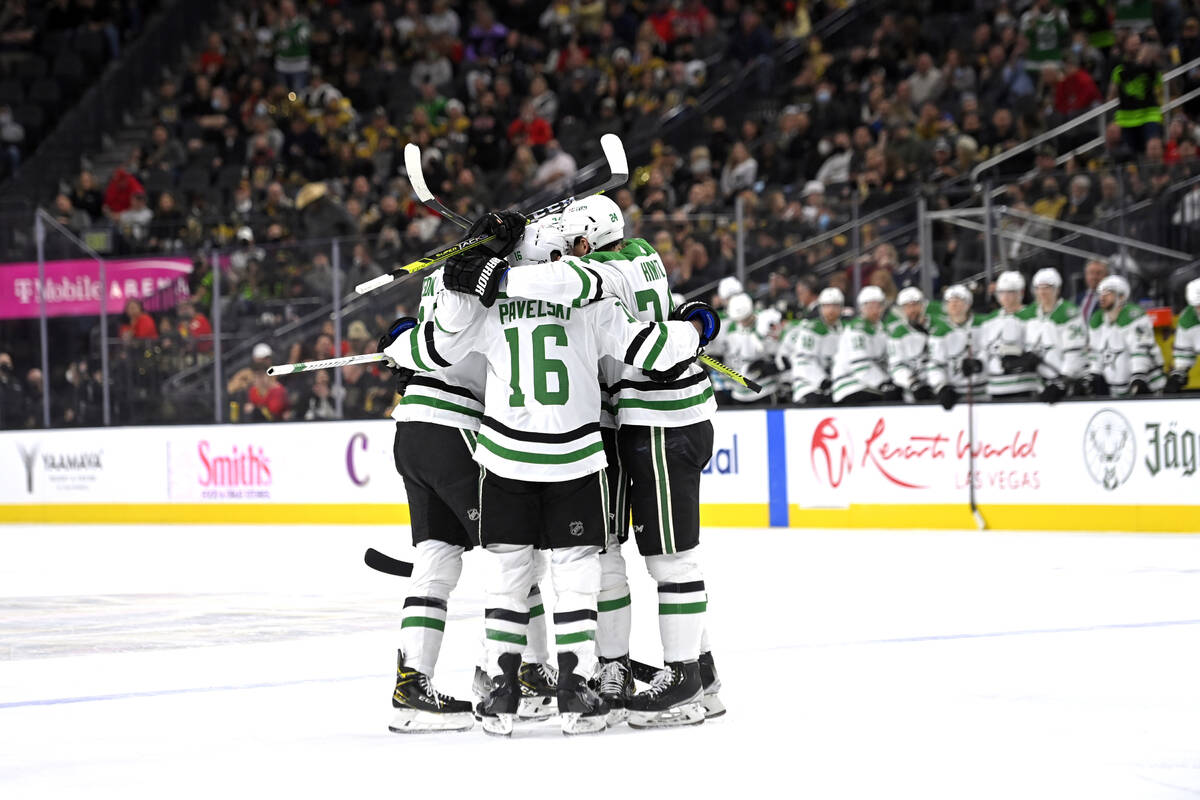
x=287 y=124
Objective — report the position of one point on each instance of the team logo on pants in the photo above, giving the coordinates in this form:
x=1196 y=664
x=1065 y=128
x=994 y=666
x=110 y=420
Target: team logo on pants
x=577 y=528
x=473 y=514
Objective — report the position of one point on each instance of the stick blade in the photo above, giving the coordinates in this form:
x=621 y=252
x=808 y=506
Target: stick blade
x=614 y=152
x=412 y=164
x=386 y=564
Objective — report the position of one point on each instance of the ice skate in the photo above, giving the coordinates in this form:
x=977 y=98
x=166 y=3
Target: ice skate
x=422 y=709
x=675 y=697
x=499 y=710
x=615 y=687
x=713 y=707
x=539 y=692
x=580 y=708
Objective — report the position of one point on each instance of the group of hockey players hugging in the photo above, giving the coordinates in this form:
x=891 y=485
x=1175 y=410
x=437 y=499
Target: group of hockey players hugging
x=552 y=396
x=925 y=351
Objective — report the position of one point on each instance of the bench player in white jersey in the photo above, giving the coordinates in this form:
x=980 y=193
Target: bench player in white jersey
x=1187 y=340
x=664 y=441
x=542 y=457
x=1123 y=358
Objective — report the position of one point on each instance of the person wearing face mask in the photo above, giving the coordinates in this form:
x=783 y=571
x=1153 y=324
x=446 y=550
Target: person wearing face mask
x=836 y=167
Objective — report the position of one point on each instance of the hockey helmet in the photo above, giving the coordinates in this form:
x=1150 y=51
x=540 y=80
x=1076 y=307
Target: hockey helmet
x=958 y=291
x=831 y=296
x=1192 y=292
x=1047 y=277
x=542 y=239
x=767 y=318
x=740 y=307
x=909 y=294
x=1115 y=284
x=728 y=287
x=871 y=294
x=1010 y=281
x=596 y=217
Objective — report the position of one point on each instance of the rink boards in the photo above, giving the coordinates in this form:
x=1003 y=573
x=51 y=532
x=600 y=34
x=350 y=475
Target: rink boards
x=1103 y=465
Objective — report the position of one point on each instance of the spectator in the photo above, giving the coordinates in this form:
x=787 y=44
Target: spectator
x=1076 y=92
x=12 y=136
x=163 y=152
x=1088 y=300
x=140 y=325
x=292 y=45
x=557 y=168
x=193 y=325
x=74 y=219
x=118 y=195
x=528 y=128
x=135 y=220
x=1137 y=84
x=927 y=82
x=1080 y=208
x=1047 y=32
x=86 y=197
x=13 y=405
x=319 y=403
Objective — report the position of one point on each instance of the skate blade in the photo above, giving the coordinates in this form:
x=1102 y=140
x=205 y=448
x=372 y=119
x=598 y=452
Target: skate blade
x=713 y=707
x=499 y=725
x=676 y=716
x=534 y=709
x=575 y=724
x=616 y=716
x=412 y=720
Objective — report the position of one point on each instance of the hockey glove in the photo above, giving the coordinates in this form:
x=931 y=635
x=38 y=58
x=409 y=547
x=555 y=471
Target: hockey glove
x=706 y=315
x=477 y=274
x=947 y=396
x=1175 y=383
x=815 y=399
x=1052 y=393
x=668 y=375
x=387 y=340
x=971 y=366
x=921 y=391
x=1139 y=386
x=890 y=392
x=506 y=226
x=1016 y=365
x=1093 y=385
x=826 y=385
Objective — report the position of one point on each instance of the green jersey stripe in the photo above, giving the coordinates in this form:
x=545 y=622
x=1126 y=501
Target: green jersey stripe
x=663 y=484
x=537 y=611
x=433 y=402
x=416 y=351
x=540 y=458
x=585 y=283
x=666 y=405
x=659 y=344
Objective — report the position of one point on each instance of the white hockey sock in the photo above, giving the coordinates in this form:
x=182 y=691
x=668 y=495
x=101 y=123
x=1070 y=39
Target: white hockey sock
x=704 y=645
x=682 y=602
x=506 y=609
x=438 y=566
x=576 y=575
x=537 y=651
x=613 y=621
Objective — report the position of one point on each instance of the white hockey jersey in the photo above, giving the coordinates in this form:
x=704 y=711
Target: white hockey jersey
x=1123 y=350
x=541 y=396
x=1004 y=335
x=635 y=274
x=739 y=346
x=1187 y=340
x=949 y=344
x=810 y=347
x=860 y=363
x=1059 y=339
x=908 y=354
x=452 y=396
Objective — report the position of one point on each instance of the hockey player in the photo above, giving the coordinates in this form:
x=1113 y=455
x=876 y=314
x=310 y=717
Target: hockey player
x=1123 y=358
x=664 y=442
x=955 y=342
x=542 y=457
x=812 y=344
x=908 y=346
x=742 y=347
x=1187 y=340
x=1055 y=337
x=1011 y=371
x=860 y=365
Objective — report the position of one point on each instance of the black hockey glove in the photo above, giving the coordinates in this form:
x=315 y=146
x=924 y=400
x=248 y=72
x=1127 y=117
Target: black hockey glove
x=1175 y=383
x=699 y=311
x=668 y=375
x=826 y=385
x=476 y=274
x=1052 y=393
x=1016 y=365
x=815 y=399
x=506 y=226
x=1093 y=385
x=393 y=333
x=972 y=366
x=890 y=392
x=921 y=391
x=1139 y=386
x=947 y=396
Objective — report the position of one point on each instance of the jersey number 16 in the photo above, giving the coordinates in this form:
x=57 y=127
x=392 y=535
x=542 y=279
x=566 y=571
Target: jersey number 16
x=543 y=367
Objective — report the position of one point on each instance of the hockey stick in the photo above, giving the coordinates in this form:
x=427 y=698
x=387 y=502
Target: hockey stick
x=386 y=564
x=971 y=442
x=416 y=176
x=329 y=363
x=614 y=152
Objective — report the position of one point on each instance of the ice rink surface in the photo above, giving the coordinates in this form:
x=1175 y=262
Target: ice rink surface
x=181 y=662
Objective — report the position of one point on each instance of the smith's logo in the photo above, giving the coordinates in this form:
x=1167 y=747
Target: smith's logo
x=1109 y=449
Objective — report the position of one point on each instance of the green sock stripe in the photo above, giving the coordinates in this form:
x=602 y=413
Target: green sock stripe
x=613 y=605
x=424 y=622
x=574 y=638
x=537 y=611
x=683 y=608
x=505 y=636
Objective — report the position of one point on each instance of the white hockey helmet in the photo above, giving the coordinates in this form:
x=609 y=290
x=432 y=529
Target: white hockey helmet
x=740 y=307
x=1192 y=292
x=1115 y=284
x=1010 y=281
x=909 y=294
x=1047 y=277
x=728 y=287
x=831 y=296
x=870 y=294
x=767 y=318
x=541 y=241
x=596 y=217
x=957 y=291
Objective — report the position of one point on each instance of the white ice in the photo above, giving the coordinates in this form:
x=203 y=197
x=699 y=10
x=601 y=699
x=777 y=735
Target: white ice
x=180 y=662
